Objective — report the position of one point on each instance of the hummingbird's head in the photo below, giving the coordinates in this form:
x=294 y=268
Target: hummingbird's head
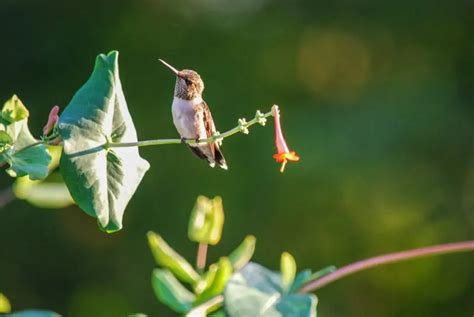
x=188 y=83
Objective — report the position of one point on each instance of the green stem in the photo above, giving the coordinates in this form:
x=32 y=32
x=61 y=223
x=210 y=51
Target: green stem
x=32 y=145
x=242 y=127
x=386 y=259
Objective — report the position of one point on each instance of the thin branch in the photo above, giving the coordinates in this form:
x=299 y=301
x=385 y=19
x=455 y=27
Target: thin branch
x=386 y=259
x=241 y=127
x=30 y=146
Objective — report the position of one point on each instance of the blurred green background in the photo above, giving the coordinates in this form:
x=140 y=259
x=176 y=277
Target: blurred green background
x=376 y=99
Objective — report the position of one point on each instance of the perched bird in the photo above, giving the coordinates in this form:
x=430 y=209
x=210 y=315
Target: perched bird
x=192 y=116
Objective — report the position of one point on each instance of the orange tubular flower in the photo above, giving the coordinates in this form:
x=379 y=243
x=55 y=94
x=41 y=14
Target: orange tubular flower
x=52 y=120
x=283 y=153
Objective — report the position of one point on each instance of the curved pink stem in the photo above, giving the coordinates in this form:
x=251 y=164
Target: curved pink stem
x=386 y=259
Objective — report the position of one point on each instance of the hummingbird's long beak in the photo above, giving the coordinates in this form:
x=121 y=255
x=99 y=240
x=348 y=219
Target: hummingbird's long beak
x=174 y=70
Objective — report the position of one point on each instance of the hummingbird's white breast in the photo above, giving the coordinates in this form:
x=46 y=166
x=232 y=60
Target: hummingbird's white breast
x=184 y=117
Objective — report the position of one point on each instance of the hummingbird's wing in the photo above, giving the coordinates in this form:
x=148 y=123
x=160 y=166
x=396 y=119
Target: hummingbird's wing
x=205 y=128
x=208 y=123
x=210 y=130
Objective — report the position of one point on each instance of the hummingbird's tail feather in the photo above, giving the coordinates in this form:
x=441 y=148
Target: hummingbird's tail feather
x=219 y=158
x=205 y=153
x=197 y=151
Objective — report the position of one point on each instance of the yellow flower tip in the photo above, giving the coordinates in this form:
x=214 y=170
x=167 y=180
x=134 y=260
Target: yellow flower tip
x=285 y=157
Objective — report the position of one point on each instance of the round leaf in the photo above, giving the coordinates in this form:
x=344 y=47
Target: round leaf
x=257 y=291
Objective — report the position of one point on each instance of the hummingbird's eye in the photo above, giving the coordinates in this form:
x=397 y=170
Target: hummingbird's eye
x=188 y=82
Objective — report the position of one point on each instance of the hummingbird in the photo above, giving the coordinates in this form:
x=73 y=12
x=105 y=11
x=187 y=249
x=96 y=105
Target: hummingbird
x=192 y=117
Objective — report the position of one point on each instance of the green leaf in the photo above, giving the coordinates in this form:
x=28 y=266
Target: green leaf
x=306 y=276
x=288 y=270
x=208 y=308
x=297 y=305
x=34 y=313
x=206 y=279
x=14 y=110
x=167 y=257
x=101 y=181
x=171 y=292
x=5 y=139
x=206 y=221
x=322 y=272
x=25 y=157
x=48 y=193
x=301 y=278
x=5 y=306
x=32 y=161
x=223 y=274
x=43 y=194
x=257 y=291
x=243 y=253
x=219 y=313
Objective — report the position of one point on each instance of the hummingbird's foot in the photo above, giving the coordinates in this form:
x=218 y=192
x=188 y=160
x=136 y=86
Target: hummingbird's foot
x=197 y=140
x=183 y=140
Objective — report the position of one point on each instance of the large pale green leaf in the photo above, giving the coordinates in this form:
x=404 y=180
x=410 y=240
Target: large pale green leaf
x=101 y=180
x=23 y=156
x=171 y=292
x=257 y=291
